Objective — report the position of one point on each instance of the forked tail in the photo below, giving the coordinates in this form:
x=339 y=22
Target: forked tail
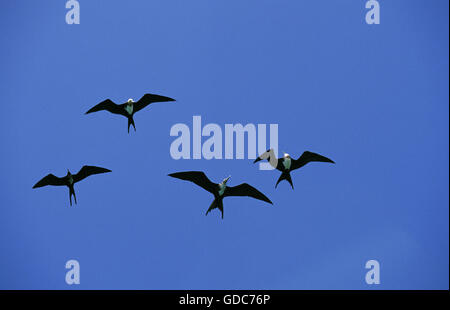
x=72 y=192
x=285 y=176
x=217 y=203
x=131 y=122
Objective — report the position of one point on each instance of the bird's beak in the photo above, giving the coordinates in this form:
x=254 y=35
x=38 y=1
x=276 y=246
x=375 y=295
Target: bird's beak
x=257 y=159
x=226 y=180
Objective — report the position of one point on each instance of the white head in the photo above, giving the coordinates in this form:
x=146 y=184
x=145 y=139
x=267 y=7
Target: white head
x=130 y=101
x=286 y=155
x=226 y=180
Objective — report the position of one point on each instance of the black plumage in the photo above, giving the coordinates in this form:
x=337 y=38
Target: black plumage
x=69 y=180
x=286 y=164
x=220 y=190
x=129 y=108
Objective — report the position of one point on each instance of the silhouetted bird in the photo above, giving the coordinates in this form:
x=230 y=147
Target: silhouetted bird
x=129 y=108
x=70 y=179
x=220 y=190
x=286 y=164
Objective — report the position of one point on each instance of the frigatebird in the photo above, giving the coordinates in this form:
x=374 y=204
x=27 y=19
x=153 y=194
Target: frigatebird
x=129 y=108
x=286 y=164
x=70 y=179
x=220 y=190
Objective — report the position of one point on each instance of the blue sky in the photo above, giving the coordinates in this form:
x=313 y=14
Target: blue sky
x=373 y=98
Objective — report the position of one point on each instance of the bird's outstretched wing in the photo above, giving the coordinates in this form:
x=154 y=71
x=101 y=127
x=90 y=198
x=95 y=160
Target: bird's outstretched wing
x=50 y=180
x=196 y=177
x=150 y=98
x=245 y=189
x=270 y=156
x=109 y=106
x=309 y=157
x=87 y=171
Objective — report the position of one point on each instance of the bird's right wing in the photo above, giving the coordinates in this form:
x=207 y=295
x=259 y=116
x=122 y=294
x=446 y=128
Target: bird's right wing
x=109 y=106
x=308 y=157
x=196 y=177
x=86 y=171
x=245 y=189
x=148 y=99
x=50 y=180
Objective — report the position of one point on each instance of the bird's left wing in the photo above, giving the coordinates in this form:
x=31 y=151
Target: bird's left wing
x=87 y=171
x=309 y=157
x=245 y=189
x=275 y=162
x=109 y=106
x=150 y=98
x=50 y=179
x=196 y=177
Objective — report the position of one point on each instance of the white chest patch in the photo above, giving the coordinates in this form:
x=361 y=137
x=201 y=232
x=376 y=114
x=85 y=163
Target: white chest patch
x=287 y=163
x=70 y=180
x=222 y=189
x=129 y=109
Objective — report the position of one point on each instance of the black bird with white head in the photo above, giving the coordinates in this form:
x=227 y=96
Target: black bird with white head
x=70 y=179
x=220 y=190
x=129 y=108
x=286 y=164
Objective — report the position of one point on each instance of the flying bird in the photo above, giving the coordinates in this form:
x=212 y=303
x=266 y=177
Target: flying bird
x=70 y=179
x=286 y=164
x=129 y=108
x=220 y=190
